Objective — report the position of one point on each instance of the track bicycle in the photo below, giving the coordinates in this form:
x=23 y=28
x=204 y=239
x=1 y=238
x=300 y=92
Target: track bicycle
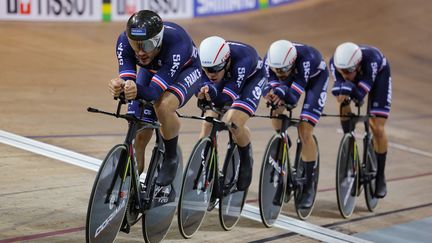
x=279 y=180
x=119 y=200
x=352 y=175
x=205 y=185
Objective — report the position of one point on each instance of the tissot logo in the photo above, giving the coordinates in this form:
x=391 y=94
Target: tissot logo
x=167 y=6
x=127 y=7
x=19 y=6
x=75 y=10
x=50 y=7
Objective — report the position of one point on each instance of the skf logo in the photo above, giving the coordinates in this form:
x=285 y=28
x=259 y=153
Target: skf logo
x=19 y=6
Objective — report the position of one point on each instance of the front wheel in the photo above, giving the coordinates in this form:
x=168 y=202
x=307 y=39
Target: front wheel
x=163 y=202
x=370 y=173
x=273 y=180
x=196 y=188
x=109 y=197
x=231 y=200
x=304 y=213
x=347 y=175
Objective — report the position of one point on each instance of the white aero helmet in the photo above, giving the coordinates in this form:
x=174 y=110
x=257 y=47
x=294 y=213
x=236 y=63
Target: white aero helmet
x=347 y=56
x=281 y=54
x=214 y=53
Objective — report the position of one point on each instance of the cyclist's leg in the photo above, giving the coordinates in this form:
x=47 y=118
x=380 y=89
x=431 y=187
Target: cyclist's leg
x=277 y=123
x=308 y=156
x=345 y=108
x=241 y=110
x=241 y=135
x=174 y=97
x=380 y=107
x=147 y=113
x=312 y=108
x=142 y=138
x=206 y=126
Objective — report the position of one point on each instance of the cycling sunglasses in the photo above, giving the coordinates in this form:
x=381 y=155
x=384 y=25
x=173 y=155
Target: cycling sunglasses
x=147 y=45
x=215 y=69
x=282 y=69
x=348 y=70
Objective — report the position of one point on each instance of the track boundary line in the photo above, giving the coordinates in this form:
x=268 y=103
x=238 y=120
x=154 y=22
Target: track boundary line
x=249 y=211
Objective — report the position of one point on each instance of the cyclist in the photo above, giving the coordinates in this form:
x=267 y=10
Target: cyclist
x=234 y=76
x=169 y=73
x=358 y=70
x=293 y=69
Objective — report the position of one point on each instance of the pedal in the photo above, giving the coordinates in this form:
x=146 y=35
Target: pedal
x=368 y=177
x=288 y=192
x=125 y=226
x=212 y=204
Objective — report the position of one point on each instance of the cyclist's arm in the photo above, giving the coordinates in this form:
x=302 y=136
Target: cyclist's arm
x=338 y=88
x=126 y=59
x=366 y=82
x=212 y=89
x=292 y=93
x=166 y=75
x=287 y=94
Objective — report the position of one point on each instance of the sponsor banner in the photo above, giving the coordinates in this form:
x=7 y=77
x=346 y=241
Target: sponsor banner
x=47 y=10
x=167 y=9
x=217 y=7
x=279 y=2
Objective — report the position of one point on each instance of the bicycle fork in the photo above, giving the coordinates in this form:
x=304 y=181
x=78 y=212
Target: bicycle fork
x=123 y=178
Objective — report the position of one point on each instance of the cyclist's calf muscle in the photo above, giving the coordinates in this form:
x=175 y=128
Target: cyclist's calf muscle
x=142 y=138
x=206 y=126
x=345 y=109
x=379 y=135
x=309 y=150
x=165 y=109
x=241 y=133
x=277 y=123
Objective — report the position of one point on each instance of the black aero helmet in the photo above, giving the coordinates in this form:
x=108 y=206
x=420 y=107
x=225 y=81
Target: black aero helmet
x=146 y=28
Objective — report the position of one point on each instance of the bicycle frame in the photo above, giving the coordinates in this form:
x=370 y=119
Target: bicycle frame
x=131 y=162
x=213 y=165
x=287 y=121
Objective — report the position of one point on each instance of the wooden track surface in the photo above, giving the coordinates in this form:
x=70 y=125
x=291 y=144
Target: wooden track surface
x=51 y=72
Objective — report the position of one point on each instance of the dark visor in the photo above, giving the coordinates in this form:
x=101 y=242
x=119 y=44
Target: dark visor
x=215 y=69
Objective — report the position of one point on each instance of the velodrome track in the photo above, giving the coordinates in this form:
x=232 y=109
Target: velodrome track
x=51 y=72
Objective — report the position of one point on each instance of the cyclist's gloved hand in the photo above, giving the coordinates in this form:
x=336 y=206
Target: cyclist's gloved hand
x=208 y=92
x=280 y=91
x=357 y=102
x=204 y=104
x=267 y=88
x=116 y=86
x=130 y=90
x=279 y=95
x=336 y=89
x=347 y=88
x=212 y=91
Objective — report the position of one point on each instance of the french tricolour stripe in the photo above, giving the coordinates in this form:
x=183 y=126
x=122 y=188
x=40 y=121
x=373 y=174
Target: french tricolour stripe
x=231 y=93
x=159 y=81
x=179 y=93
x=381 y=112
x=274 y=83
x=309 y=116
x=297 y=88
x=244 y=106
x=364 y=86
x=128 y=73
